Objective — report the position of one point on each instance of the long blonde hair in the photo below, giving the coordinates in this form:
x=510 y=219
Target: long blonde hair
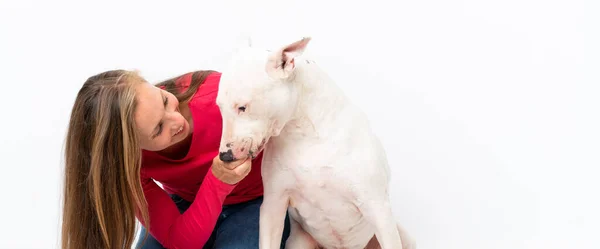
x=102 y=188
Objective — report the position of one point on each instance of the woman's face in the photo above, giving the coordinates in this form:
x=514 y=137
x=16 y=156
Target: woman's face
x=159 y=122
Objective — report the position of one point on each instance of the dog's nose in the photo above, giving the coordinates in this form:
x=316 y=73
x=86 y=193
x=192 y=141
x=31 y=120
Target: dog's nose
x=226 y=156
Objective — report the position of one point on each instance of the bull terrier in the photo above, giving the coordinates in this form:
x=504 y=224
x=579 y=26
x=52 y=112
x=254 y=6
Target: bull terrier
x=322 y=163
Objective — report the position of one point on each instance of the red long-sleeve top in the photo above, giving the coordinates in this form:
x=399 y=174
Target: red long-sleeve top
x=192 y=179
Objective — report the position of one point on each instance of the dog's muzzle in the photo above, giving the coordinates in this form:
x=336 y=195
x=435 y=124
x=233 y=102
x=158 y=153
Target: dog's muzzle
x=226 y=156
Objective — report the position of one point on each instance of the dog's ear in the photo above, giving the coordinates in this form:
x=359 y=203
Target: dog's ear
x=281 y=63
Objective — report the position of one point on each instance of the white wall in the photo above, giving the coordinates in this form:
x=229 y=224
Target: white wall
x=488 y=109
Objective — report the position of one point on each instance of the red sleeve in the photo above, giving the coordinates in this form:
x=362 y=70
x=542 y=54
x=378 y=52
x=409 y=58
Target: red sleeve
x=192 y=228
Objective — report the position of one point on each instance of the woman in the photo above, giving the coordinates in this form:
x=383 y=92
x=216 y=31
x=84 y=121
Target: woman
x=124 y=136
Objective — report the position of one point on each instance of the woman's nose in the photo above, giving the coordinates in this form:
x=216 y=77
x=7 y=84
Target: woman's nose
x=174 y=122
x=173 y=114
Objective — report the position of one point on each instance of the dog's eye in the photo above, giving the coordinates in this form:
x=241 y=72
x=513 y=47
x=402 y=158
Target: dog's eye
x=242 y=108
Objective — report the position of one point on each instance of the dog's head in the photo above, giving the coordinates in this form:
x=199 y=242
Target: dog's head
x=257 y=97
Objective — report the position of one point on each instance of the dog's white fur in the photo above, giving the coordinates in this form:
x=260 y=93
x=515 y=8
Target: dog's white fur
x=321 y=160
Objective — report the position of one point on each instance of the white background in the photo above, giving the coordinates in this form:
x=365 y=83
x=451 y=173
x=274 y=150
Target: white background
x=488 y=109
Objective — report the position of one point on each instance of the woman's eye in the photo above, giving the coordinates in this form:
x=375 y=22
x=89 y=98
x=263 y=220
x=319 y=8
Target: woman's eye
x=160 y=127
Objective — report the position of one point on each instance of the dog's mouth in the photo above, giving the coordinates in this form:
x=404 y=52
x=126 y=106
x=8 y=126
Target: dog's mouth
x=259 y=149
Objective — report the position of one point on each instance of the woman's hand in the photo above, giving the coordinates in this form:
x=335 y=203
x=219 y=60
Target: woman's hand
x=231 y=172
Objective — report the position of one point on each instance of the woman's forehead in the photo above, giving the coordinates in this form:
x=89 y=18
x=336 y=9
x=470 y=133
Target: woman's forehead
x=150 y=107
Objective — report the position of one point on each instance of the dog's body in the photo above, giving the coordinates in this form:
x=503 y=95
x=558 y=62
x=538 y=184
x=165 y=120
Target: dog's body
x=321 y=160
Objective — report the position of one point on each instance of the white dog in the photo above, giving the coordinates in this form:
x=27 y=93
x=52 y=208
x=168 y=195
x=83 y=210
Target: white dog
x=321 y=160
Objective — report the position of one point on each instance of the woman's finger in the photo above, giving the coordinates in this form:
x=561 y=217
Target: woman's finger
x=233 y=165
x=243 y=169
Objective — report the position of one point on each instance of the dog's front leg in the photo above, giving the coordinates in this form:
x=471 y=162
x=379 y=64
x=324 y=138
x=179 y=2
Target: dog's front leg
x=272 y=220
x=379 y=212
x=274 y=206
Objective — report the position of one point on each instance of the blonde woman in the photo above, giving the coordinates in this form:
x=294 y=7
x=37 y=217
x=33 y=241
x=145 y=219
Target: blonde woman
x=124 y=134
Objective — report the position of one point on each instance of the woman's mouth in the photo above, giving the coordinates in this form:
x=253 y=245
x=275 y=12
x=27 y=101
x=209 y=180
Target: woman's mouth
x=178 y=131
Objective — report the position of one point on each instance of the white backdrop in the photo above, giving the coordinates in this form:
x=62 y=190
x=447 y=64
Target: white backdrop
x=488 y=109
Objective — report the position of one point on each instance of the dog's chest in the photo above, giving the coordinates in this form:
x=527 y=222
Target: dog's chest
x=324 y=204
x=322 y=185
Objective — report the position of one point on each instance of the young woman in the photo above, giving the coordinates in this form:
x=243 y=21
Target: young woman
x=125 y=135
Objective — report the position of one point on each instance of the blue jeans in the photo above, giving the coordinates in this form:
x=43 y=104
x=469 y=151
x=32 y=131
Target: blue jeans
x=236 y=228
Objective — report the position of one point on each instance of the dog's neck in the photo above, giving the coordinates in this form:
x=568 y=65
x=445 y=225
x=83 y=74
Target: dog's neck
x=321 y=104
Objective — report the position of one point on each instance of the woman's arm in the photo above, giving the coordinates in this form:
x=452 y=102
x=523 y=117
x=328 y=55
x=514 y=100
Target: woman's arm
x=192 y=228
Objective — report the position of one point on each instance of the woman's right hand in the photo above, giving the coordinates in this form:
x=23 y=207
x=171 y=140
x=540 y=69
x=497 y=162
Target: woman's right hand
x=231 y=172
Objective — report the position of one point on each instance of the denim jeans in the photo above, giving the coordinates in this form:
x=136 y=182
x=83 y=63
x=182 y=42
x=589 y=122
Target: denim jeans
x=236 y=228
